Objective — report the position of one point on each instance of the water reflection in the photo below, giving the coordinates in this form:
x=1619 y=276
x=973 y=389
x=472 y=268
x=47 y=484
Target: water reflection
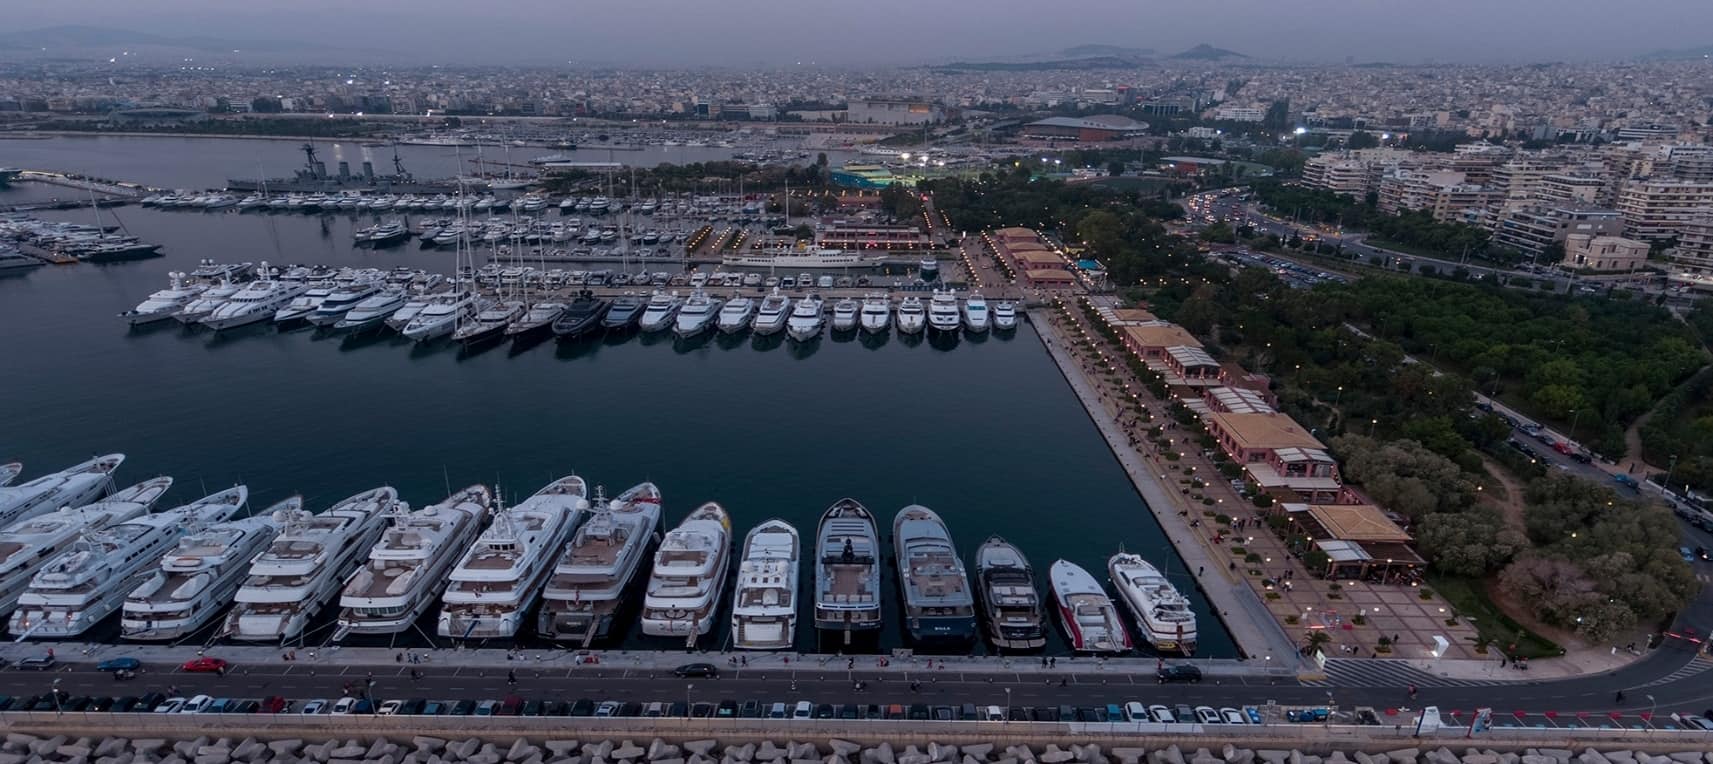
x=875 y=340
x=943 y=340
x=729 y=340
x=766 y=342
x=802 y=350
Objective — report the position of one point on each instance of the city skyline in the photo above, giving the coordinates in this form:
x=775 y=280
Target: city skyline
x=748 y=33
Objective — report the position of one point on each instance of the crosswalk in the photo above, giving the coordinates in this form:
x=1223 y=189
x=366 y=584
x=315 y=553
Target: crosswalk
x=1386 y=672
x=1701 y=664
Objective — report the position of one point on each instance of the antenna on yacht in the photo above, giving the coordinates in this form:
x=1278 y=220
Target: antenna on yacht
x=446 y=475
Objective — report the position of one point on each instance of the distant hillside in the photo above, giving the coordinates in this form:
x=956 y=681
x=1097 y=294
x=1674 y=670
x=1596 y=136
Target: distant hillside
x=72 y=40
x=1097 y=50
x=1681 y=53
x=1097 y=62
x=1206 y=52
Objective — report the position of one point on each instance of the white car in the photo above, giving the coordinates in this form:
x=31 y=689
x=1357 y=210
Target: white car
x=608 y=708
x=803 y=712
x=314 y=707
x=993 y=714
x=344 y=706
x=171 y=706
x=1206 y=715
x=197 y=704
x=390 y=707
x=1135 y=712
x=1232 y=716
x=1162 y=714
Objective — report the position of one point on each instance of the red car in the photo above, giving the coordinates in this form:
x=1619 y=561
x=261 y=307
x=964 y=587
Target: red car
x=205 y=666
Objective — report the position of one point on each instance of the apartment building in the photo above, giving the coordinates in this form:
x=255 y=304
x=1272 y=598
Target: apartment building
x=1694 y=250
x=1338 y=174
x=1658 y=209
x=1532 y=228
x=1604 y=253
x=1446 y=194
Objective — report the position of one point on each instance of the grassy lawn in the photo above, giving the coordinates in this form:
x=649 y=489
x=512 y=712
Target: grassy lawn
x=1469 y=598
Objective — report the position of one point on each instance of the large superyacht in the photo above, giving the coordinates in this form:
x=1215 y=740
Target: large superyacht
x=305 y=565
x=764 y=604
x=196 y=580
x=1090 y=619
x=407 y=568
x=27 y=545
x=1163 y=612
x=589 y=580
x=165 y=303
x=938 y=605
x=498 y=580
x=258 y=301
x=71 y=487
x=689 y=575
x=662 y=308
x=1009 y=597
x=89 y=582
x=775 y=310
x=847 y=570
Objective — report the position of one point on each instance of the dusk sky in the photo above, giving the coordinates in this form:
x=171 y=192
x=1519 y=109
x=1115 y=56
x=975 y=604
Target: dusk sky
x=750 y=32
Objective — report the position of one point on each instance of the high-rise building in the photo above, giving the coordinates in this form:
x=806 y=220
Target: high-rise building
x=1694 y=250
x=1658 y=209
x=1531 y=229
x=1446 y=194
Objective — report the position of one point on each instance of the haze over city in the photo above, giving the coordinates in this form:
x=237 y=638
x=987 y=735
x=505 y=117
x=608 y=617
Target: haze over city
x=741 y=33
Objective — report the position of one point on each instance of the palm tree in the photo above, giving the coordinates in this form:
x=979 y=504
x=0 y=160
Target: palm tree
x=1314 y=640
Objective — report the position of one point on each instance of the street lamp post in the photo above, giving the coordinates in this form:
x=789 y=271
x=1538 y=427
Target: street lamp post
x=1007 y=705
x=688 y=686
x=1575 y=416
x=1652 y=706
x=58 y=709
x=1668 y=471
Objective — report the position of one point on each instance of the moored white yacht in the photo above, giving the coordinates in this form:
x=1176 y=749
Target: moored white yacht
x=943 y=312
x=371 y=312
x=342 y=300
x=774 y=312
x=304 y=304
x=499 y=578
x=764 y=604
x=689 y=575
x=847 y=570
x=589 y=580
x=661 y=309
x=1088 y=615
x=407 y=568
x=1162 y=612
x=89 y=582
x=807 y=319
x=196 y=579
x=27 y=545
x=697 y=315
x=412 y=308
x=976 y=315
x=73 y=486
x=165 y=303
x=441 y=317
x=911 y=315
x=304 y=566
x=258 y=301
x=876 y=314
x=736 y=315
x=1005 y=315
x=845 y=314
x=207 y=302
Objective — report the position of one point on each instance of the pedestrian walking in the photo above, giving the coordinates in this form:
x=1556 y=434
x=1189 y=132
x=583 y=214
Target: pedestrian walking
x=511 y=677
x=1412 y=692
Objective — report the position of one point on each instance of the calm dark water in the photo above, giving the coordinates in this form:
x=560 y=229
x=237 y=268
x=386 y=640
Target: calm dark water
x=985 y=432
x=173 y=162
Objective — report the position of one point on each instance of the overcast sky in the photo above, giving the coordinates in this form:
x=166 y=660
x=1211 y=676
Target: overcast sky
x=750 y=32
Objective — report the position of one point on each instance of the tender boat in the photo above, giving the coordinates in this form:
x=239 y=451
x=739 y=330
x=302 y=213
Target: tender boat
x=976 y=316
x=943 y=312
x=83 y=586
x=807 y=319
x=911 y=315
x=197 y=579
x=1161 y=611
x=407 y=568
x=625 y=312
x=73 y=486
x=28 y=544
x=499 y=578
x=764 y=604
x=876 y=315
x=256 y=302
x=845 y=314
x=938 y=603
x=1004 y=315
x=442 y=316
x=489 y=323
x=302 y=570
x=1089 y=617
x=662 y=308
x=582 y=316
x=737 y=315
x=591 y=577
x=166 y=303
x=775 y=310
x=697 y=314
x=1011 y=603
x=371 y=312
x=847 y=570
x=689 y=575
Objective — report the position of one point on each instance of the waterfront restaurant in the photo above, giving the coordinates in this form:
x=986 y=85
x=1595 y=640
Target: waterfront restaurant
x=1277 y=454
x=1150 y=341
x=1049 y=277
x=1192 y=366
x=1357 y=539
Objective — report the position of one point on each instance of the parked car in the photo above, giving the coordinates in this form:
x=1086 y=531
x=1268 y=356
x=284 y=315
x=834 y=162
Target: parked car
x=1206 y=715
x=1162 y=714
x=310 y=708
x=1178 y=673
x=196 y=705
x=205 y=665
x=803 y=711
x=37 y=663
x=119 y=664
x=1232 y=716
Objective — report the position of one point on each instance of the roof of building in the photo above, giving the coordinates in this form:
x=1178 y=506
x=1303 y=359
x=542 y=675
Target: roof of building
x=1358 y=522
x=1239 y=400
x=1269 y=431
x=1133 y=314
x=1190 y=356
x=1016 y=233
x=1033 y=257
x=1343 y=551
x=1161 y=336
x=1098 y=122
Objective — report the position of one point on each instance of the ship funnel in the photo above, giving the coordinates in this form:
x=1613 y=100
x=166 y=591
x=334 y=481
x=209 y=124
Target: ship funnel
x=344 y=170
x=368 y=170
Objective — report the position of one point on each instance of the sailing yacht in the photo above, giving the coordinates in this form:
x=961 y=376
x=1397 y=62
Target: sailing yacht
x=441 y=317
x=911 y=316
x=976 y=316
x=689 y=575
x=1004 y=315
x=256 y=302
x=845 y=314
x=539 y=317
x=1162 y=612
x=662 y=308
x=197 y=579
x=1090 y=620
x=371 y=312
x=764 y=604
x=590 y=578
x=876 y=313
x=938 y=604
x=807 y=319
x=499 y=578
x=847 y=570
x=1009 y=597
x=164 y=304
x=71 y=487
x=489 y=322
x=774 y=312
x=736 y=315
x=206 y=303
x=304 y=304
x=943 y=312
x=697 y=315
x=83 y=586
x=342 y=300
x=304 y=566
x=407 y=568
x=27 y=545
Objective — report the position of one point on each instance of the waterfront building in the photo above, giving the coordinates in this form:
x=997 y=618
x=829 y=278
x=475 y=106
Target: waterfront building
x=894 y=111
x=1356 y=538
x=1277 y=454
x=1191 y=366
x=1604 y=253
x=1149 y=341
